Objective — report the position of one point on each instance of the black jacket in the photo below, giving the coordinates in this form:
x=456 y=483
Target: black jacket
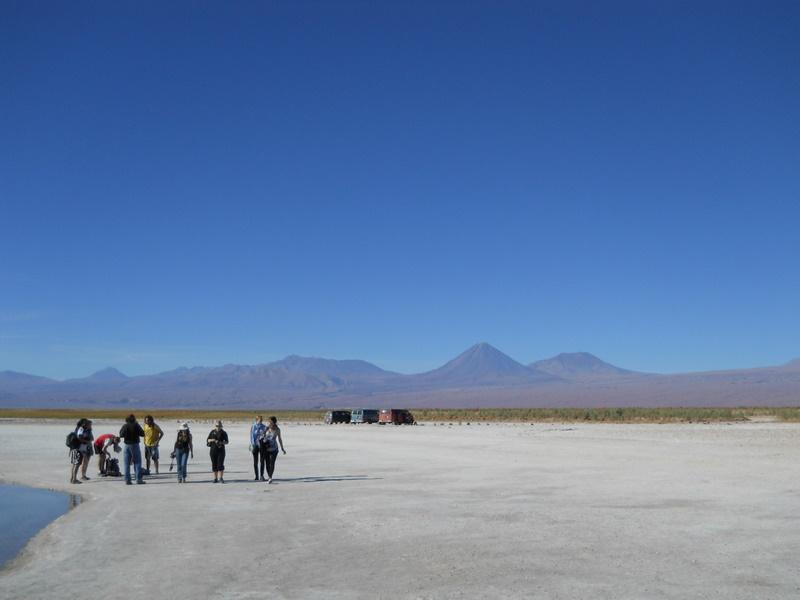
x=131 y=432
x=218 y=438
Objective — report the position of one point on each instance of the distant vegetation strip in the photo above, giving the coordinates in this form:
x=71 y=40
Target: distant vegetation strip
x=607 y=415
x=448 y=415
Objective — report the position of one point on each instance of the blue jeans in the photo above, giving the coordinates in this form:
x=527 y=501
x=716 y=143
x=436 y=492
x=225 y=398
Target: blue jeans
x=182 y=458
x=132 y=451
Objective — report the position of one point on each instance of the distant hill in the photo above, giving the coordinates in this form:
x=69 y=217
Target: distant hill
x=793 y=365
x=481 y=376
x=15 y=378
x=342 y=368
x=578 y=365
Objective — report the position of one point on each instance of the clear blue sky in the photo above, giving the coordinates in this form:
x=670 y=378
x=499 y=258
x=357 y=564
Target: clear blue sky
x=395 y=181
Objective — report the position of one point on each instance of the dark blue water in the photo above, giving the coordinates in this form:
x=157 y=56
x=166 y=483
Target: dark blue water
x=24 y=511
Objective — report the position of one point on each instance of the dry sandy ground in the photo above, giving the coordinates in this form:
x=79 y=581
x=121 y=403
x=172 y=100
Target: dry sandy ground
x=499 y=511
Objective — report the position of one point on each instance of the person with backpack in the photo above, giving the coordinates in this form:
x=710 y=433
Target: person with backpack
x=75 y=454
x=152 y=436
x=131 y=432
x=271 y=439
x=217 y=440
x=256 y=448
x=182 y=450
x=85 y=437
x=101 y=448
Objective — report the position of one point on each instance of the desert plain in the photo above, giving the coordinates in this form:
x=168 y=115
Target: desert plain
x=517 y=510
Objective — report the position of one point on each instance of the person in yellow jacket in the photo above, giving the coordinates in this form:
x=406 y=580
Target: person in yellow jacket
x=152 y=436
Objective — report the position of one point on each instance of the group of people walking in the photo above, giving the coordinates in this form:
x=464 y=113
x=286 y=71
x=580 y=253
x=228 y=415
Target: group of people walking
x=265 y=442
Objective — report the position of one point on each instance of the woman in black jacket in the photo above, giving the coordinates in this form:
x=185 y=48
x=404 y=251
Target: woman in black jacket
x=217 y=440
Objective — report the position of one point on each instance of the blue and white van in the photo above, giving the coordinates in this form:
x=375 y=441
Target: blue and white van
x=364 y=415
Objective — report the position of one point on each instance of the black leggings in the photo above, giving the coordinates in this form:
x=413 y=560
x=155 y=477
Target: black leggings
x=217 y=458
x=271 y=456
x=259 y=452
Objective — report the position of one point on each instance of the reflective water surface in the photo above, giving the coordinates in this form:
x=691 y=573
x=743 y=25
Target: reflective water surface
x=24 y=511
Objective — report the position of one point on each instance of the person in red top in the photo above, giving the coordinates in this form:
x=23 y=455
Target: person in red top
x=101 y=445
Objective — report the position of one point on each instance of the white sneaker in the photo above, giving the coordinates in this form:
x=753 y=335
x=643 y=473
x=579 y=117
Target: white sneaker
x=269 y=480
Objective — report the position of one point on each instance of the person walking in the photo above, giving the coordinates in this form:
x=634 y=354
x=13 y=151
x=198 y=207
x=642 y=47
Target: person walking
x=85 y=437
x=152 y=436
x=131 y=433
x=101 y=449
x=182 y=450
x=272 y=438
x=256 y=448
x=217 y=440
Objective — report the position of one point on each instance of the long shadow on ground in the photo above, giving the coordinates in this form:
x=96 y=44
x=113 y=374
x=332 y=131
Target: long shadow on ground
x=320 y=479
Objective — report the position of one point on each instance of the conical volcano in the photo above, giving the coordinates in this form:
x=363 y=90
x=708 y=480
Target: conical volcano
x=483 y=364
x=108 y=374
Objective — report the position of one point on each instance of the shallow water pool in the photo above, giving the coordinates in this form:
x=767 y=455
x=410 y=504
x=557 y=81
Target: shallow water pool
x=24 y=512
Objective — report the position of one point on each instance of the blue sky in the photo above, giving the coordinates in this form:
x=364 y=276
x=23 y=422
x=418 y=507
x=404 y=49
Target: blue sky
x=192 y=185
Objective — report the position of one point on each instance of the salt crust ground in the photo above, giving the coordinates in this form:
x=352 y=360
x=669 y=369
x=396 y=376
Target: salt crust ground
x=499 y=511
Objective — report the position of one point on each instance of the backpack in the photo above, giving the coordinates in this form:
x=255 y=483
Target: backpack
x=112 y=468
x=72 y=441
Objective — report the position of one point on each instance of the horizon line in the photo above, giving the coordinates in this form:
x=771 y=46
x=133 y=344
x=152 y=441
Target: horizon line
x=474 y=346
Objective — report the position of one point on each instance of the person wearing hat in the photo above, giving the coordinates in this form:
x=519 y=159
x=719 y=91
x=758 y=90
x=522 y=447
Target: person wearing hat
x=183 y=450
x=216 y=441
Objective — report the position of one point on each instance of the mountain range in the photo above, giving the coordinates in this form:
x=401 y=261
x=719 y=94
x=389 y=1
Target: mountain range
x=482 y=376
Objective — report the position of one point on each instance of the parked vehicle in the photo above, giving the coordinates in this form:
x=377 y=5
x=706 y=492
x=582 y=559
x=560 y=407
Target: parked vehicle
x=363 y=415
x=396 y=416
x=337 y=416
